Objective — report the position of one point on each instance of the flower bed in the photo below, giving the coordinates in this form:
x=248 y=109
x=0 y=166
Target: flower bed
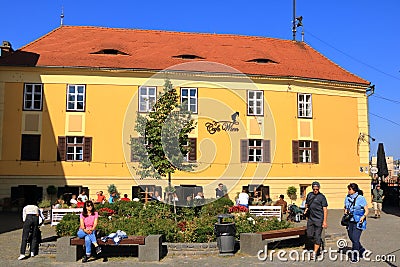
x=188 y=225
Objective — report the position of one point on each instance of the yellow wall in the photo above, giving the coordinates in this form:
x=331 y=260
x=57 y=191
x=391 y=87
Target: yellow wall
x=339 y=115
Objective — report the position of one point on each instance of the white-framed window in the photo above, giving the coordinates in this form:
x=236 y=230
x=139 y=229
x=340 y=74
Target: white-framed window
x=76 y=97
x=255 y=150
x=189 y=99
x=33 y=96
x=305 y=151
x=75 y=148
x=304 y=106
x=255 y=103
x=147 y=98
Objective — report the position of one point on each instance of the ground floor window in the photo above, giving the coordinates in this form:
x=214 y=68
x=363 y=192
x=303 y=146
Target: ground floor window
x=258 y=194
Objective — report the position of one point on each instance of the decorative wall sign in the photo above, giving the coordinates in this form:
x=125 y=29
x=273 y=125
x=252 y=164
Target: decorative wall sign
x=227 y=126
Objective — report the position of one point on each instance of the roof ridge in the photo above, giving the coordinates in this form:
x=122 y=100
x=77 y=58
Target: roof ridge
x=177 y=32
x=40 y=38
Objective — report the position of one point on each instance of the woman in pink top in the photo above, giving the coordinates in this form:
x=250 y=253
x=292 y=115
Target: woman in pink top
x=87 y=229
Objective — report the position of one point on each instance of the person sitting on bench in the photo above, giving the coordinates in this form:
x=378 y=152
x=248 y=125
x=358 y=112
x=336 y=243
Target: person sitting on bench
x=87 y=230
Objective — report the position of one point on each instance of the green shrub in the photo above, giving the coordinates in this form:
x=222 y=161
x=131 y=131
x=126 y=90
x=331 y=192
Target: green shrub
x=219 y=206
x=68 y=226
x=195 y=224
x=45 y=203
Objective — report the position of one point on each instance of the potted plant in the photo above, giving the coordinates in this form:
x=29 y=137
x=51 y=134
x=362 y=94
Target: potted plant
x=292 y=193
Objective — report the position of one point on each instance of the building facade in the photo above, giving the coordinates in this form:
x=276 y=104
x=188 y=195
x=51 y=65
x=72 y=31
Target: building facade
x=269 y=114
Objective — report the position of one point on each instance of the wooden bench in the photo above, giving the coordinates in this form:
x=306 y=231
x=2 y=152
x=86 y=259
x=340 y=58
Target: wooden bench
x=251 y=243
x=266 y=211
x=149 y=247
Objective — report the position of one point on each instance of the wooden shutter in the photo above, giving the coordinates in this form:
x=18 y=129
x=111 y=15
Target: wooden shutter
x=87 y=149
x=267 y=151
x=295 y=151
x=62 y=148
x=193 y=149
x=314 y=152
x=244 y=150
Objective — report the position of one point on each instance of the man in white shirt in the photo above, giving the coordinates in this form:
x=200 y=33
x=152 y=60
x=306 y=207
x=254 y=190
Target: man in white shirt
x=30 y=216
x=243 y=199
x=83 y=196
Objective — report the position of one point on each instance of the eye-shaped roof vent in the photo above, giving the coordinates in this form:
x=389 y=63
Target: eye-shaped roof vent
x=188 y=56
x=262 y=60
x=110 y=52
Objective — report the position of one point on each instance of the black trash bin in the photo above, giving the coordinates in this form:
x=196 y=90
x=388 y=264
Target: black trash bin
x=225 y=232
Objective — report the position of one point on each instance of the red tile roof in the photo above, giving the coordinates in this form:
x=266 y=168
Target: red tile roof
x=74 y=46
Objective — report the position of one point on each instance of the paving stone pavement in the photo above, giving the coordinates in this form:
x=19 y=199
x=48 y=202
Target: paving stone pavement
x=382 y=238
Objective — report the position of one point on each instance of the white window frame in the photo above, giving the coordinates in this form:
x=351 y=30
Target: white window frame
x=189 y=99
x=36 y=96
x=255 y=102
x=76 y=94
x=256 y=151
x=304 y=105
x=147 y=99
x=77 y=148
x=305 y=151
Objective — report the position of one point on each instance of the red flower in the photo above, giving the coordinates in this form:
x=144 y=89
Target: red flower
x=106 y=211
x=182 y=226
x=235 y=209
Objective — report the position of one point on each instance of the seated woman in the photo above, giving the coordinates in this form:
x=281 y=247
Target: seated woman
x=268 y=200
x=58 y=204
x=87 y=230
x=256 y=201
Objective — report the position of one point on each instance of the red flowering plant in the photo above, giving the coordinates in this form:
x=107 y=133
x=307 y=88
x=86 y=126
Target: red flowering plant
x=235 y=209
x=106 y=212
x=182 y=226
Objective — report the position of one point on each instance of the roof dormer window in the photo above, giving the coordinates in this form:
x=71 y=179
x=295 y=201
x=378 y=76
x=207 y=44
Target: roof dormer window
x=262 y=60
x=110 y=52
x=188 y=56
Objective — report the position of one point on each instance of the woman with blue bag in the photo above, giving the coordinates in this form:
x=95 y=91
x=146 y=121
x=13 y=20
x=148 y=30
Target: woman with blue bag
x=356 y=205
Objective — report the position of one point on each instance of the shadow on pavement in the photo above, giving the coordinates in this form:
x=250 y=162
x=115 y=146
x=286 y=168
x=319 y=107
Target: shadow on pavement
x=10 y=221
x=391 y=210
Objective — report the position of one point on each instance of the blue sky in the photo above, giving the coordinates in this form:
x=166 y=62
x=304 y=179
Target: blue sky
x=362 y=36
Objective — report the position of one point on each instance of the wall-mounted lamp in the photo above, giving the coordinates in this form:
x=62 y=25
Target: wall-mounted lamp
x=362 y=137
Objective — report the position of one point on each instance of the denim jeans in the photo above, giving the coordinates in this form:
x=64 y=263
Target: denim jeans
x=89 y=240
x=31 y=224
x=354 y=235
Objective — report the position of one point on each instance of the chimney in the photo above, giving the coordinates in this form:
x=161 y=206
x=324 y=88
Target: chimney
x=5 y=49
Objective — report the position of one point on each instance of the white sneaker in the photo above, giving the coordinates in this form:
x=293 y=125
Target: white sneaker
x=22 y=256
x=32 y=254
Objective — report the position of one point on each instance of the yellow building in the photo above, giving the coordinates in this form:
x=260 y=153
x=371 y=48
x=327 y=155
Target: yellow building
x=270 y=113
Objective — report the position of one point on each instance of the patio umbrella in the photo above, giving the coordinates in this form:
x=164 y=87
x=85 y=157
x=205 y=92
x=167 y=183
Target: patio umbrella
x=381 y=162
